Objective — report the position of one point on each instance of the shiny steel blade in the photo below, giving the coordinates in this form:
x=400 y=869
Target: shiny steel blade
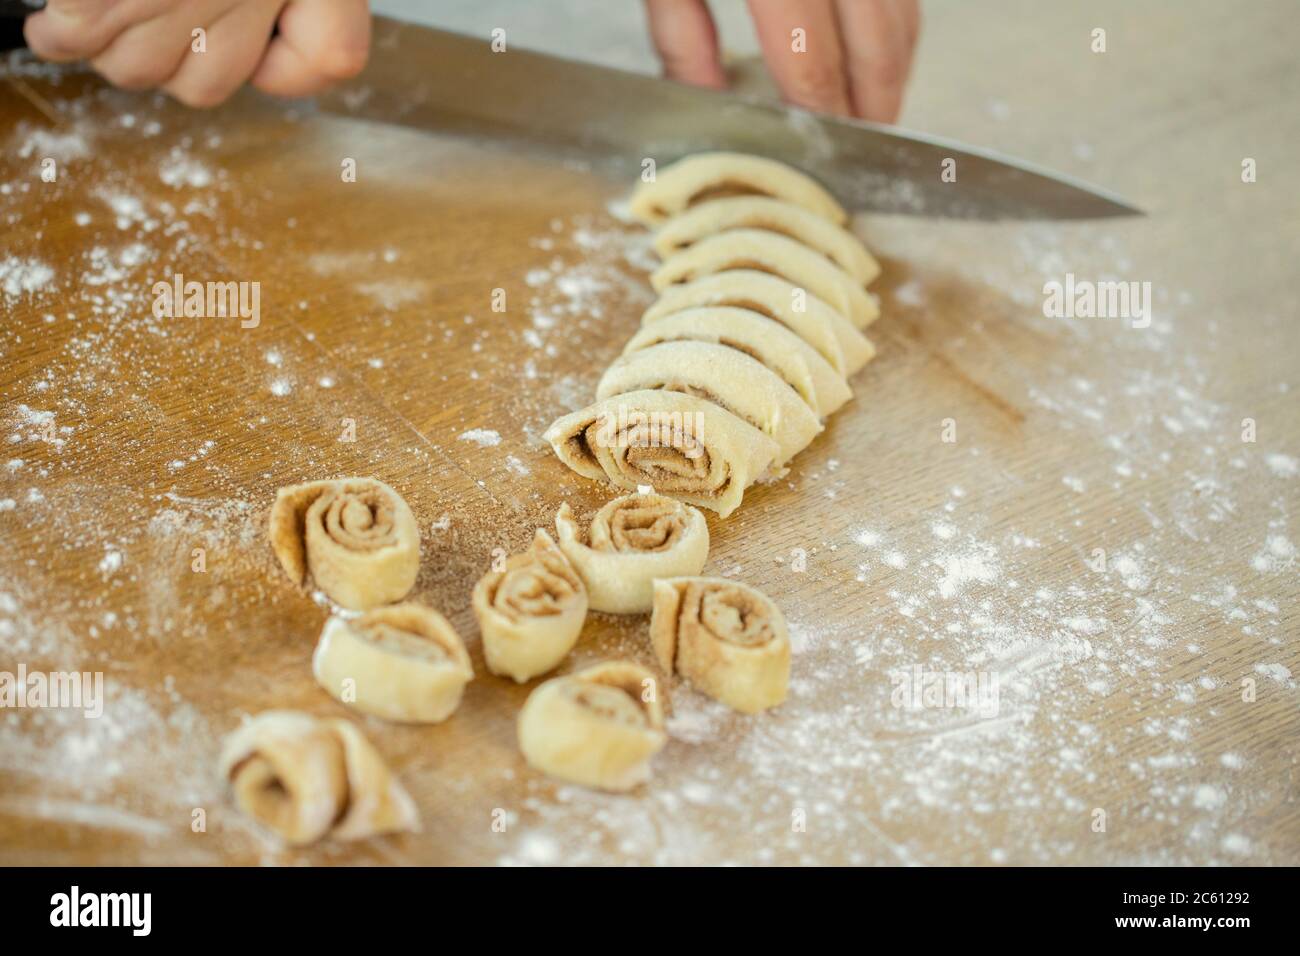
x=433 y=79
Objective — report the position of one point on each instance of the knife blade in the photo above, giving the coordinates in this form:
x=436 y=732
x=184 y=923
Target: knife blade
x=433 y=79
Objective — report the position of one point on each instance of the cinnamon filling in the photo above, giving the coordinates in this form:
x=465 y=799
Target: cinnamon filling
x=697 y=391
x=579 y=446
x=728 y=614
x=359 y=520
x=406 y=643
x=736 y=346
x=538 y=583
x=724 y=190
x=609 y=703
x=734 y=264
x=645 y=528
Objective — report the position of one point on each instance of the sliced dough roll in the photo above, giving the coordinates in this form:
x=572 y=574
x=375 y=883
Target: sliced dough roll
x=706 y=176
x=727 y=639
x=633 y=540
x=773 y=215
x=305 y=778
x=530 y=613
x=778 y=255
x=598 y=727
x=726 y=377
x=404 y=663
x=797 y=363
x=682 y=446
x=356 y=536
x=825 y=329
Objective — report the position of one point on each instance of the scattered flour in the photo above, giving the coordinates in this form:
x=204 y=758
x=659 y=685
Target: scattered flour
x=57 y=145
x=960 y=570
x=180 y=169
x=19 y=277
x=1284 y=466
x=857 y=772
x=483 y=437
x=110 y=563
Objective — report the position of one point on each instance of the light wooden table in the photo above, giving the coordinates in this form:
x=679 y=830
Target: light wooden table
x=131 y=441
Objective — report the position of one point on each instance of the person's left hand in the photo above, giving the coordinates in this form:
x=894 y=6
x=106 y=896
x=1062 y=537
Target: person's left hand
x=855 y=62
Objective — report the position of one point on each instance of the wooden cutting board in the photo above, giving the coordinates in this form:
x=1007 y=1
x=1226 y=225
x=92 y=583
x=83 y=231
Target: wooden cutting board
x=1146 y=703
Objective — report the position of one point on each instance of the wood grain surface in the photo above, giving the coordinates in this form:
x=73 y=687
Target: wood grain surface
x=1154 y=692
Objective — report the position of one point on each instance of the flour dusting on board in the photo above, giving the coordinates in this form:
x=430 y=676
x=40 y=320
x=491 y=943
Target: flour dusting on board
x=945 y=571
x=843 y=764
x=24 y=276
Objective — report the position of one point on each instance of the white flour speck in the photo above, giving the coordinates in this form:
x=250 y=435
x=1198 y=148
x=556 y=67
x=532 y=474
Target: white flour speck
x=961 y=569
x=111 y=562
x=483 y=437
x=1236 y=844
x=1209 y=798
x=1278 y=672
x=24 y=276
x=180 y=169
x=1278 y=553
x=1284 y=466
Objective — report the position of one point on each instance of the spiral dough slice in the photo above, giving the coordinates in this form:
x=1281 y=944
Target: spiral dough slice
x=598 y=727
x=831 y=334
x=707 y=176
x=403 y=663
x=682 y=446
x=531 y=612
x=633 y=540
x=305 y=778
x=797 y=363
x=355 y=536
x=758 y=212
x=778 y=255
x=724 y=376
x=727 y=639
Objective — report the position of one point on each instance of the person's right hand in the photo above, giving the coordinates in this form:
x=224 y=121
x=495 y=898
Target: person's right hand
x=858 y=56
x=142 y=44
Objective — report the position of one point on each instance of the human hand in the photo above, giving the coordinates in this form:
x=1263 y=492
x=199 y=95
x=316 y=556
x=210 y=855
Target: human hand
x=142 y=44
x=856 y=57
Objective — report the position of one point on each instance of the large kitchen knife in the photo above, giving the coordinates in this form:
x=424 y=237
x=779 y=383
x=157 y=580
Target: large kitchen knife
x=433 y=79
